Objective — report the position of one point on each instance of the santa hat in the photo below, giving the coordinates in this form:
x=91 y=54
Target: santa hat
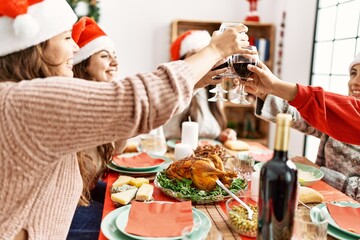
x=25 y=23
x=355 y=61
x=192 y=40
x=90 y=38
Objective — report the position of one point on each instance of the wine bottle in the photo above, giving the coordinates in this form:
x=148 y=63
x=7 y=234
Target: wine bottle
x=278 y=188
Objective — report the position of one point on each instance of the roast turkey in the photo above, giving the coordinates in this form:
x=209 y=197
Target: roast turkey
x=202 y=171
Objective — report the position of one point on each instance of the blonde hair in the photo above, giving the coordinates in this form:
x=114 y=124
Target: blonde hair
x=88 y=166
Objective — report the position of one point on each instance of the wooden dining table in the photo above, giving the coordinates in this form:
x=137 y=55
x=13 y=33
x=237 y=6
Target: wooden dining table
x=220 y=228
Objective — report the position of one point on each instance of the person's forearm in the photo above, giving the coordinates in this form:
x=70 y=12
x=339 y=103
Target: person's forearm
x=284 y=90
x=200 y=65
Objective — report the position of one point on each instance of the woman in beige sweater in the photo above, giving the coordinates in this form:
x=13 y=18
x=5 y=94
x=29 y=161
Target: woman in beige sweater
x=45 y=121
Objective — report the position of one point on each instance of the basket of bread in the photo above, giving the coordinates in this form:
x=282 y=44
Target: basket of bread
x=194 y=178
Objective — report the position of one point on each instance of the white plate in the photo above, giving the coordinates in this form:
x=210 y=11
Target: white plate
x=123 y=218
x=332 y=221
x=111 y=232
x=127 y=155
x=163 y=166
x=318 y=174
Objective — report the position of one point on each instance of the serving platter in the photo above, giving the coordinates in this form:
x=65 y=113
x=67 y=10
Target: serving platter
x=201 y=196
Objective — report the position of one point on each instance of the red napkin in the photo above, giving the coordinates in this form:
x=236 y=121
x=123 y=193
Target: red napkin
x=140 y=160
x=347 y=218
x=159 y=219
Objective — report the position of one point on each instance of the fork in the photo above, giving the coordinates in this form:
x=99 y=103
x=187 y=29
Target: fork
x=250 y=212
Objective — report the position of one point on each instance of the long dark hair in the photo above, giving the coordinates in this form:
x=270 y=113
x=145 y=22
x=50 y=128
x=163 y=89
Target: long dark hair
x=88 y=166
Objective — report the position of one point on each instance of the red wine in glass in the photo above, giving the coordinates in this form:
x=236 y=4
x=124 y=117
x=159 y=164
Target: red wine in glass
x=242 y=70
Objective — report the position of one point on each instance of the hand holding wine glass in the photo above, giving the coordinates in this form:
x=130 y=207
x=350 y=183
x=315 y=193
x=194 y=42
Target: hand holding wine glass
x=218 y=90
x=263 y=80
x=239 y=64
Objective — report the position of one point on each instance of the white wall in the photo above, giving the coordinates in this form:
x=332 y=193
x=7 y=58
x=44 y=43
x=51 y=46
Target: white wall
x=141 y=31
x=300 y=23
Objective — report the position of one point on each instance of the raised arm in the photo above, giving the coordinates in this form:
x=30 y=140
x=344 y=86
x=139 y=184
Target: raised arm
x=333 y=114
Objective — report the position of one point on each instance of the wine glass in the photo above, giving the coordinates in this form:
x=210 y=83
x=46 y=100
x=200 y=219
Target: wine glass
x=219 y=90
x=239 y=64
x=154 y=142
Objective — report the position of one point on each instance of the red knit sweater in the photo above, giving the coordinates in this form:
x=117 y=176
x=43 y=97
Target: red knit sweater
x=334 y=114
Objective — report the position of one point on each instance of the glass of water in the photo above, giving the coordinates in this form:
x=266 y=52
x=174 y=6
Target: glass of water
x=244 y=165
x=153 y=142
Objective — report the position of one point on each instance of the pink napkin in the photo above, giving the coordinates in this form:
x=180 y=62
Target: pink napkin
x=159 y=219
x=141 y=160
x=347 y=218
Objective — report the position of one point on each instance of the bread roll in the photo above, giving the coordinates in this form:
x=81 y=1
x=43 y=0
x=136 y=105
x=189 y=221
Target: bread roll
x=236 y=145
x=309 y=195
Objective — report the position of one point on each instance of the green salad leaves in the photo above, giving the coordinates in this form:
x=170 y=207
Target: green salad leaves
x=183 y=189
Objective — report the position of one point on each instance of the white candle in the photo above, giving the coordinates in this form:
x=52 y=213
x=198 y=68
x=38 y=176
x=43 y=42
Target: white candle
x=182 y=150
x=190 y=134
x=255 y=181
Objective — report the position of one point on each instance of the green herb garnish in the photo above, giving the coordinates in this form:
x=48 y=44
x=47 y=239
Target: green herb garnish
x=184 y=189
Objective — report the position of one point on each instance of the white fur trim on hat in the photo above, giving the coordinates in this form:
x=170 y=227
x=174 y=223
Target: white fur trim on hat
x=355 y=61
x=92 y=47
x=52 y=17
x=197 y=40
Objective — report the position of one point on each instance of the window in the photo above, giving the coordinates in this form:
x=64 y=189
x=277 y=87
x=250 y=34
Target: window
x=336 y=42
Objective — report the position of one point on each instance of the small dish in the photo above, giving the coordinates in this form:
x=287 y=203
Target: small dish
x=317 y=173
x=238 y=218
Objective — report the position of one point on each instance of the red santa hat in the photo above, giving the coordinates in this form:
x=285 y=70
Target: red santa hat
x=192 y=40
x=90 y=38
x=25 y=23
x=355 y=61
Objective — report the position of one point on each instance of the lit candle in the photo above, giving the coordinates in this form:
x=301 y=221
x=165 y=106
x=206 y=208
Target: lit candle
x=182 y=150
x=190 y=134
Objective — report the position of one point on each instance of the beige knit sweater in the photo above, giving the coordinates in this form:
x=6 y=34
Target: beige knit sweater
x=44 y=122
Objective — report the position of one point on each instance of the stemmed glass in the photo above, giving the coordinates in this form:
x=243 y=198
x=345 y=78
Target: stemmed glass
x=219 y=90
x=239 y=63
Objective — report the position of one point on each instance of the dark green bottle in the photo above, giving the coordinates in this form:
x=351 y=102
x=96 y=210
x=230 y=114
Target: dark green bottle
x=278 y=188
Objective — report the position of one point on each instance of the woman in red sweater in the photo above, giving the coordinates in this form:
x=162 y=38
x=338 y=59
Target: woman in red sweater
x=331 y=113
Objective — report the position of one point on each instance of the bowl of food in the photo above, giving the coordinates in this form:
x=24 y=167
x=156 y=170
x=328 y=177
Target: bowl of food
x=307 y=175
x=238 y=218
